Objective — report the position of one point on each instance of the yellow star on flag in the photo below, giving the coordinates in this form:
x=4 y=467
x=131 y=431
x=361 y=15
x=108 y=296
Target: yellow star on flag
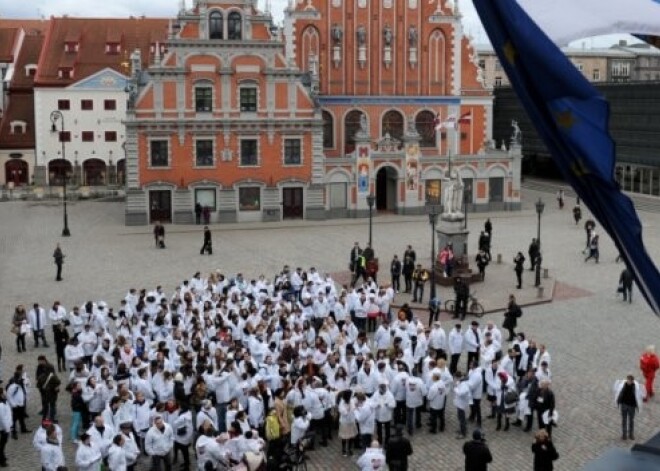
x=510 y=52
x=565 y=119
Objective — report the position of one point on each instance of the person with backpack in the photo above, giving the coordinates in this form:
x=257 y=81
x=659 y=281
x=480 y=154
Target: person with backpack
x=48 y=384
x=513 y=312
x=507 y=399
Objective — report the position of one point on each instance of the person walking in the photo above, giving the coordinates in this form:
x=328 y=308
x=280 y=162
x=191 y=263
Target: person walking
x=38 y=321
x=589 y=226
x=207 y=246
x=513 y=312
x=17 y=400
x=206 y=214
x=395 y=273
x=198 y=213
x=544 y=452
x=158 y=443
x=649 y=364
x=628 y=398
x=420 y=276
x=398 y=450
x=462 y=399
x=488 y=229
x=593 y=248
x=5 y=427
x=519 y=262
x=58 y=255
x=48 y=384
x=533 y=252
x=626 y=285
x=482 y=262
x=159 y=235
x=577 y=213
x=560 y=199
x=477 y=454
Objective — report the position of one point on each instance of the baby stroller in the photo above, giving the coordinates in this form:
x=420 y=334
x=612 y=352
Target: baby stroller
x=294 y=457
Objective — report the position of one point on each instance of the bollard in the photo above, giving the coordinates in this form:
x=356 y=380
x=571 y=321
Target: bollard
x=499 y=258
x=545 y=273
x=539 y=291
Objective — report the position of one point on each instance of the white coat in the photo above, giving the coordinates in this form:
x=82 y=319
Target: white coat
x=365 y=417
x=437 y=395
x=102 y=441
x=5 y=417
x=183 y=429
x=299 y=428
x=131 y=449
x=470 y=340
x=639 y=393
x=16 y=395
x=159 y=443
x=41 y=315
x=208 y=450
x=88 y=458
x=476 y=381
x=373 y=459
x=415 y=392
x=255 y=411
x=455 y=342
x=117 y=458
x=398 y=385
x=383 y=405
x=462 y=396
x=438 y=338
x=51 y=457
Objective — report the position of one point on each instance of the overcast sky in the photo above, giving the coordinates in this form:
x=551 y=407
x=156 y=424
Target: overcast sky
x=168 y=8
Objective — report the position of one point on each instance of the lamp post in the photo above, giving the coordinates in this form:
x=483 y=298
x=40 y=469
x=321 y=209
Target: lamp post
x=371 y=200
x=55 y=117
x=433 y=219
x=539 y=210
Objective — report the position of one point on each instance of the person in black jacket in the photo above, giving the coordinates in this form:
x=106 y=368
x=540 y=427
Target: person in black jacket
x=477 y=454
x=519 y=262
x=208 y=245
x=513 y=312
x=544 y=452
x=626 y=285
x=545 y=401
x=408 y=269
x=398 y=451
x=395 y=272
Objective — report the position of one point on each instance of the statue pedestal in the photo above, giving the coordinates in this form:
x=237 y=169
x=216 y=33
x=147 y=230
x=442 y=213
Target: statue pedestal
x=451 y=231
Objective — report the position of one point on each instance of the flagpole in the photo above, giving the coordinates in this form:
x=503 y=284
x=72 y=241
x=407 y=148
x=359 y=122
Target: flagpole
x=471 y=140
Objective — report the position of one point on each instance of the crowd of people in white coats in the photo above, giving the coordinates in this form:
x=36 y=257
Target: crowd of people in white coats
x=229 y=373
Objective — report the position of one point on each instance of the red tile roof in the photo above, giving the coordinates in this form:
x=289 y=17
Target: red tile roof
x=28 y=25
x=93 y=35
x=7 y=41
x=29 y=54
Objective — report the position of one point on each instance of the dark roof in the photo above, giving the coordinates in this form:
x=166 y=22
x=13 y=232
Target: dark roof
x=7 y=40
x=92 y=35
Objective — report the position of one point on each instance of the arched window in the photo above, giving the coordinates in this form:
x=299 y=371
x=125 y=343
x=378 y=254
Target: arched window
x=215 y=25
x=234 y=25
x=393 y=124
x=425 y=125
x=328 y=130
x=351 y=127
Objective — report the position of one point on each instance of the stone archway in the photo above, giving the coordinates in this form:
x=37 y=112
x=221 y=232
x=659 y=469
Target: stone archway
x=386 y=189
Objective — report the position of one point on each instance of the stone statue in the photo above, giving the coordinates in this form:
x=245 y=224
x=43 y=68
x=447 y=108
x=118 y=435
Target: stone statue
x=453 y=197
x=412 y=125
x=363 y=123
x=387 y=35
x=412 y=36
x=361 y=34
x=516 y=137
x=337 y=34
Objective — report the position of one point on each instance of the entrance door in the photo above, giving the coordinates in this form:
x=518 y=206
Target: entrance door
x=386 y=189
x=292 y=203
x=160 y=205
x=16 y=172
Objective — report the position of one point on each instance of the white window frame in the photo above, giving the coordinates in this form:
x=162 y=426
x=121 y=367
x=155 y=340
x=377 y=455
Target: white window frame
x=240 y=150
x=302 y=153
x=169 y=153
x=203 y=84
x=244 y=85
x=214 y=150
x=238 y=199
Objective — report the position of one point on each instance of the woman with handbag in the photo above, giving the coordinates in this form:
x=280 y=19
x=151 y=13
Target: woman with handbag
x=19 y=320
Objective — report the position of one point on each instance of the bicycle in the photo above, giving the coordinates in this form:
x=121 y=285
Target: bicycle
x=473 y=306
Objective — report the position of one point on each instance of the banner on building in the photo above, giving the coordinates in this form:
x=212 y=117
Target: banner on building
x=412 y=166
x=363 y=167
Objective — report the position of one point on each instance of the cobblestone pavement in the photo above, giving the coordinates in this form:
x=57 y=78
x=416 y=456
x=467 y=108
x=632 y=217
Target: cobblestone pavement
x=594 y=338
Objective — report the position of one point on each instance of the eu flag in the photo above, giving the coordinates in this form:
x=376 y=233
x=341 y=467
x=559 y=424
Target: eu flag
x=572 y=119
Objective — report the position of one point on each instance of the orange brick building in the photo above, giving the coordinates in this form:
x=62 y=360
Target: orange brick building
x=383 y=70
x=222 y=119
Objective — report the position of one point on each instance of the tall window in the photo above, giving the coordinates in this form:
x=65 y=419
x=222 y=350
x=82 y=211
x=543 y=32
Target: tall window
x=215 y=25
x=234 y=25
x=393 y=124
x=498 y=81
x=249 y=99
x=328 y=130
x=596 y=75
x=351 y=127
x=249 y=156
x=425 y=125
x=204 y=153
x=292 y=152
x=159 y=154
x=203 y=99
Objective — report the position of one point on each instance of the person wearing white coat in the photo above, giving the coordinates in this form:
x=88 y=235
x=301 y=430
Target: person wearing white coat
x=51 y=454
x=462 y=400
x=383 y=403
x=130 y=446
x=415 y=392
x=117 y=455
x=628 y=397
x=102 y=435
x=183 y=435
x=158 y=443
x=38 y=320
x=88 y=455
x=503 y=403
x=438 y=340
x=373 y=458
x=455 y=347
x=5 y=427
x=437 y=398
x=476 y=383
x=365 y=417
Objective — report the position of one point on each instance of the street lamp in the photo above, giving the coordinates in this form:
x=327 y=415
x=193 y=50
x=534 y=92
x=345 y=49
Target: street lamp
x=540 y=205
x=371 y=200
x=433 y=219
x=56 y=116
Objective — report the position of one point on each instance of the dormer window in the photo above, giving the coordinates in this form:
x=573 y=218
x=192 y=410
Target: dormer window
x=112 y=48
x=30 y=70
x=18 y=127
x=71 y=46
x=65 y=73
x=234 y=26
x=215 y=25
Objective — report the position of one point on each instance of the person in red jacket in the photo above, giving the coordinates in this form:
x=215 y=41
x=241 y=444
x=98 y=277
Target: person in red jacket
x=649 y=364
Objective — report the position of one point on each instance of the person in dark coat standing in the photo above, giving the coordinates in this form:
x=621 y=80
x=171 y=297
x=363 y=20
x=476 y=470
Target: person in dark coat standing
x=626 y=285
x=408 y=269
x=207 y=246
x=544 y=451
x=533 y=253
x=477 y=454
x=59 y=261
x=398 y=450
x=488 y=228
x=513 y=312
x=395 y=272
x=159 y=235
x=519 y=262
x=198 y=213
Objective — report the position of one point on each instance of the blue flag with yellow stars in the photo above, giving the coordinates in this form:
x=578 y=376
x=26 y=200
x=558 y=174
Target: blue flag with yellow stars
x=572 y=119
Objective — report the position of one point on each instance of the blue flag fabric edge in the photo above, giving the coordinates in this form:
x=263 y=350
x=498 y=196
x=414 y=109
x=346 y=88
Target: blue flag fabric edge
x=572 y=119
